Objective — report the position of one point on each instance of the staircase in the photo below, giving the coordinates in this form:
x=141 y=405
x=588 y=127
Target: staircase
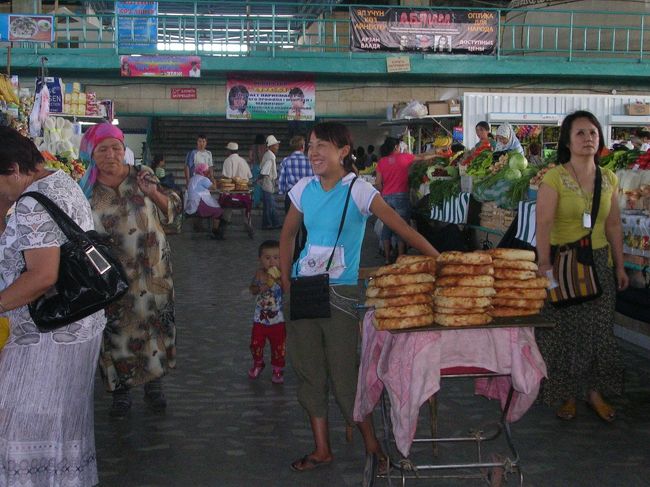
x=176 y=136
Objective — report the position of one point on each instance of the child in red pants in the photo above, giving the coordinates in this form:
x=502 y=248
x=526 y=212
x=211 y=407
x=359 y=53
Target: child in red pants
x=268 y=322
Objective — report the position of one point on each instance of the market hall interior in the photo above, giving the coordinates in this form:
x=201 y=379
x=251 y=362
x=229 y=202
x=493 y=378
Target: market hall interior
x=220 y=428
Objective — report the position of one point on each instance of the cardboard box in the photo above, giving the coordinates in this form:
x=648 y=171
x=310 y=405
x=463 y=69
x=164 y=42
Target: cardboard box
x=454 y=107
x=637 y=109
x=438 y=107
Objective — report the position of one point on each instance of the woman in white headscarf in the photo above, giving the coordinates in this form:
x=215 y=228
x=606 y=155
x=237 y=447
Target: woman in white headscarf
x=507 y=140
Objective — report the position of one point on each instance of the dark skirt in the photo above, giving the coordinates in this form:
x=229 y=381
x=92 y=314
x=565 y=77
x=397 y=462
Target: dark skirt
x=581 y=352
x=206 y=211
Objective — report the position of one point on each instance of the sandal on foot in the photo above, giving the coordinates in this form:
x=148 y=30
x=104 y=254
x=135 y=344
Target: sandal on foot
x=567 y=411
x=307 y=463
x=603 y=410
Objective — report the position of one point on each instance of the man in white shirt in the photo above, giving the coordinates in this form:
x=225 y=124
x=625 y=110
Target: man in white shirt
x=235 y=166
x=268 y=176
x=198 y=156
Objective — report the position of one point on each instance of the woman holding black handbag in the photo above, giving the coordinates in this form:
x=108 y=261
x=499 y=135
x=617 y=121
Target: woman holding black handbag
x=578 y=202
x=334 y=206
x=46 y=379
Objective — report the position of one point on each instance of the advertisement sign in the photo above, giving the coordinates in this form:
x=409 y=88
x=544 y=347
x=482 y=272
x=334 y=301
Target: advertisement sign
x=29 y=28
x=183 y=93
x=434 y=31
x=260 y=98
x=160 y=66
x=137 y=25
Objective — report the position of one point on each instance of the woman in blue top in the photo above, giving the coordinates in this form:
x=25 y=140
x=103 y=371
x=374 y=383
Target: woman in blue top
x=324 y=351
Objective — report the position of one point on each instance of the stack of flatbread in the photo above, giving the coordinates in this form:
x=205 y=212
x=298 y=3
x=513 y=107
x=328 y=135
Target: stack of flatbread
x=519 y=290
x=401 y=293
x=463 y=289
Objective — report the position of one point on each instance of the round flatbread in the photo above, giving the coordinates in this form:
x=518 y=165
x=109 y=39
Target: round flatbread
x=518 y=303
x=512 y=254
x=471 y=258
x=412 y=259
x=522 y=265
x=537 y=283
x=391 y=292
x=468 y=292
x=467 y=281
x=447 y=302
x=401 y=280
x=460 y=311
x=521 y=293
x=403 y=311
x=465 y=270
x=399 y=300
x=401 y=323
x=514 y=274
x=503 y=312
x=462 y=320
x=425 y=266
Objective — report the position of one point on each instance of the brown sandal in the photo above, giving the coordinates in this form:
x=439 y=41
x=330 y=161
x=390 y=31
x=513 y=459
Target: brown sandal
x=307 y=463
x=567 y=411
x=603 y=410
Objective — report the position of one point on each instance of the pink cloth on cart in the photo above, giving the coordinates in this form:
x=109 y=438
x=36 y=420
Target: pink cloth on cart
x=409 y=364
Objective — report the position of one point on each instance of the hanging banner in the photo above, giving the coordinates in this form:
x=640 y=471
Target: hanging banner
x=160 y=66
x=137 y=25
x=258 y=98
x=423 y=30
x=29 y=28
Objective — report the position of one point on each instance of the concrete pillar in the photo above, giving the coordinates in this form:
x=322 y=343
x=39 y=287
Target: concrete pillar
x=26 y=6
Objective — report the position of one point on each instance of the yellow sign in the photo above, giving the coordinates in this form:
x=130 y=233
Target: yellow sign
x=398 y=64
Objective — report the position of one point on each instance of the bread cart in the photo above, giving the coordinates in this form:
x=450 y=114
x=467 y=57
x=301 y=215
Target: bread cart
x=502 y=356
x=242 y=199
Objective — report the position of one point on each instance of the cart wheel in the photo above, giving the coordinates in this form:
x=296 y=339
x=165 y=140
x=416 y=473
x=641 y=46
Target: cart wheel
x=370 y=470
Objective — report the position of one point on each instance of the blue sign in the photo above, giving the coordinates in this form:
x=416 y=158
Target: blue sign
x=137 y=25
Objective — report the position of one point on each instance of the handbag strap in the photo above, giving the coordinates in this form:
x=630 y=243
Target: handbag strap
x=345 y=210
x=67 y=225
x=595 y=203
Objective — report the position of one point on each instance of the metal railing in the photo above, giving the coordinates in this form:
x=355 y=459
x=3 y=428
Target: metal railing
x=270 y=31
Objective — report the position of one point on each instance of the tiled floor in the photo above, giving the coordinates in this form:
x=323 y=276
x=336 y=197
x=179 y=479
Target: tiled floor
x=222 y=430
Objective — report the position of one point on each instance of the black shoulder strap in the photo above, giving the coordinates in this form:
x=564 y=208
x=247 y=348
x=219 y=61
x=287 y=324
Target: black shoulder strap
x=68 y=226
x=345 y=210
x=595 y=204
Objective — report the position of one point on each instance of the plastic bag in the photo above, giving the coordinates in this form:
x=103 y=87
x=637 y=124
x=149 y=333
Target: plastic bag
x=413 y=109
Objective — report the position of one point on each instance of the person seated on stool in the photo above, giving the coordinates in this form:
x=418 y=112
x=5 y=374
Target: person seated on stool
x=199 y=201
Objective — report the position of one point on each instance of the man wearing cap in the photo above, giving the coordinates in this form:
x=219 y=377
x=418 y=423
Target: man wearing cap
x=267 y=179
x=235 y=166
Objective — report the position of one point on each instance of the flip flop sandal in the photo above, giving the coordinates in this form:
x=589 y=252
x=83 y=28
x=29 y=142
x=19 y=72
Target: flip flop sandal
x=309 y=463
x=604 y=411
x=567 y=411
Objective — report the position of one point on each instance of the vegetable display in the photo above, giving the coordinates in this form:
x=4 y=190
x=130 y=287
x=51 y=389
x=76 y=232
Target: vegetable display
x=443 y=189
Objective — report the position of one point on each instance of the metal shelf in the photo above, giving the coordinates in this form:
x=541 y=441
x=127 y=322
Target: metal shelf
x=418 y=121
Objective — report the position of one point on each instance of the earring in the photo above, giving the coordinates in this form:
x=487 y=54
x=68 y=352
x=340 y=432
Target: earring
x=341 y=162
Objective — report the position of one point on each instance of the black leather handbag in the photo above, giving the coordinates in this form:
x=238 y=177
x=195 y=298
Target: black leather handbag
x=310 y=295
x=90 y=277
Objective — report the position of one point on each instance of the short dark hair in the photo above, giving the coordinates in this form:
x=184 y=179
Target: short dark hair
x=297 y=142
x=563 y=152
x=201 y=136
x=388 y=146
x=484 y=125
x=266 y=245
x=296 y=92
x=371 y=149
x=339 y=135
x=157 y=159
x=19 y=149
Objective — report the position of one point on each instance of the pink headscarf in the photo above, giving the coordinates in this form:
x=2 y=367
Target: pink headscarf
x=201 y=169
x=93 y=136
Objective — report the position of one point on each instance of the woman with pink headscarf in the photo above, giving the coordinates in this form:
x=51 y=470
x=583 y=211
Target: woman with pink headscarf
x=199 y=201
x=139 y=345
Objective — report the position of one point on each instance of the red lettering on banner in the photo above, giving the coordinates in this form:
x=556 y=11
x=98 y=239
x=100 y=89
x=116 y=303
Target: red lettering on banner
x=183 y=93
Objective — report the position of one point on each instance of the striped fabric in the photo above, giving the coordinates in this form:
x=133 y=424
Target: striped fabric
x=526 y=223
x=453 y=210
x=577 y=282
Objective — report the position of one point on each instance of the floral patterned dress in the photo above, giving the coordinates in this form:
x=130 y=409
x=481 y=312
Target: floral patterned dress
x=140 y=337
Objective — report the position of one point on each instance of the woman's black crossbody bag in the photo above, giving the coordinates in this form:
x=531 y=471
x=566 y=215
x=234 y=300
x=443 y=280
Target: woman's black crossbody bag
x=310 y=295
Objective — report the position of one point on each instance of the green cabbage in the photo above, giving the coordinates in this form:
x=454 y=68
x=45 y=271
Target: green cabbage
x=517 y=161
x=512 y=174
